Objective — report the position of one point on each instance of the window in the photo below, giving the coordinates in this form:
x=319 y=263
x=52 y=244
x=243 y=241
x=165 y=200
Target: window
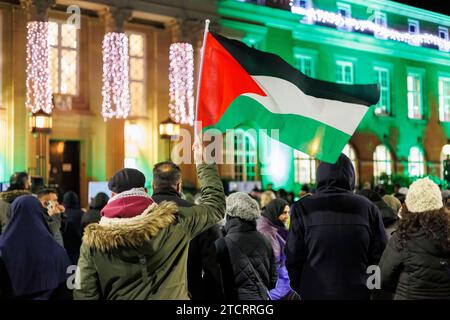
x=305 y=168
x=245 y=156
x=134 y=134
x=344 y=10
x=416 y=163
x=306 y=4
x=445 y=169
x=413 y=26
x=414 y=95
x=443 y=34
x=382 y=161
x=413 y=29
x=350 y=152
x=64 y=42
x=344 y=72
x=444 y=98
x=380 y=20
x=137 y=74
x=305 y=65
x=383 y=106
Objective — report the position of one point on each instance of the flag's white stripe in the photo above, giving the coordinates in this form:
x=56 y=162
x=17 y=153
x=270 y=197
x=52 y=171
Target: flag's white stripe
x=283 y=97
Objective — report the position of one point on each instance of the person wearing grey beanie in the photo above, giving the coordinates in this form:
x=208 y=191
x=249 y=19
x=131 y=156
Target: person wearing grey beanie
x=416 y=263
x=245 y=255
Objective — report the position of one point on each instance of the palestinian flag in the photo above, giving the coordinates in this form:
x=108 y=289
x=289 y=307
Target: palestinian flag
x=244 y=86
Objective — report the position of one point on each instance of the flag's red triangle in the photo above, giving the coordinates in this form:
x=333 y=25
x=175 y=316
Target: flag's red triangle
x=223 y=80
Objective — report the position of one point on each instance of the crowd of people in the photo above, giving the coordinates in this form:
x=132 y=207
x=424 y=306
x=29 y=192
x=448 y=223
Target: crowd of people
x=257 y=246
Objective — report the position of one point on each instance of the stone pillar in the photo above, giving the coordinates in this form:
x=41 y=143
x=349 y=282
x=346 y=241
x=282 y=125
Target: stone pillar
x=37 y=9
x=114 y=20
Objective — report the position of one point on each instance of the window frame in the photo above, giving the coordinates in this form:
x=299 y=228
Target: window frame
x=420 y=75
x=378 y=69
x=346 y=7
x=383 y=17
x=421 y=162
x=145 y=75
x=246 y=153
x=59 y=47
x=442 y=98
x=376 y=161
x=416 y=24
x=299 y=62
x=299 y=158
x=445 y=31
x=342 y=63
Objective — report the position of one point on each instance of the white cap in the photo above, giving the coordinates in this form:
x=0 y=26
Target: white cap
x=423 y=195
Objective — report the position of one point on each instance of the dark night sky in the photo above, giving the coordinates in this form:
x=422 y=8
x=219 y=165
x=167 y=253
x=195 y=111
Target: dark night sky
x=441 y=6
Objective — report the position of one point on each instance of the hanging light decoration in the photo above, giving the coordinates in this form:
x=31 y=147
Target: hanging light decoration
x=338 y=20
x=115 y=91
x=181 y=79
x=38 y=82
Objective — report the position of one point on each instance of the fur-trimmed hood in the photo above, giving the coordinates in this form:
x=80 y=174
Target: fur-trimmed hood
x=10 y=196
x=115 y=233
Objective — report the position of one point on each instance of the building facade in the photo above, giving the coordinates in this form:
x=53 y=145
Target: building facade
x=406 y=131
x=82 y=147
x=403 y=134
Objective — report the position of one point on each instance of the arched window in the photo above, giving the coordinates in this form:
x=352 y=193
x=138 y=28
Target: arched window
x=416 y=162
x=305 y=168
x=382 y=161
x=350 y=152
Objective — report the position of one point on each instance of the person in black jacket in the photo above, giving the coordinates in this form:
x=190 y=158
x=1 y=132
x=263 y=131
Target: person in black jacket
x=416 y=262
x=246 y=256
x=71 y=229
x=335 y=236
x=93 y=214
x=204 y=275
x=389 y=215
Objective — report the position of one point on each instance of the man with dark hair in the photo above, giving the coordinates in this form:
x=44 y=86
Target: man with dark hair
x=19 y=184
x=203 y=272
x=52 y=211
x=166 y=176
x=139 y=249
x=304 y=191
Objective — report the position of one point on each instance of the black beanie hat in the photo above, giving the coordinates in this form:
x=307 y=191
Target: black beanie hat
x=126 y=179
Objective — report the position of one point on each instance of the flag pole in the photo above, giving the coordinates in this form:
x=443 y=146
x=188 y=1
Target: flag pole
x=199 y=78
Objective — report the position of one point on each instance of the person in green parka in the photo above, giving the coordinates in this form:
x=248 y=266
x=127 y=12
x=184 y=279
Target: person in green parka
x=139 y=249
x=416 y=263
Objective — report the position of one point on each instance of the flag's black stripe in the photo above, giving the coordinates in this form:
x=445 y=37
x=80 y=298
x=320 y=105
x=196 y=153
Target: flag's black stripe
x=259 y=63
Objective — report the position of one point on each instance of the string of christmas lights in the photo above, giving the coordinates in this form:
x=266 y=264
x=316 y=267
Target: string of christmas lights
x=321 y=16
x=38 y=82
x=115 y=91
x=181 y=79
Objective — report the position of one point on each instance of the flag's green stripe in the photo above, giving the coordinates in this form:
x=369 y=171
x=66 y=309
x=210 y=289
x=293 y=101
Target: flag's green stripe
x=301 y=133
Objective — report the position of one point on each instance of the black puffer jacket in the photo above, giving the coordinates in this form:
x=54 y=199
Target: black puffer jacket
x=203 y=270
x=419 y=271
x=247 y=244
x=335 y=235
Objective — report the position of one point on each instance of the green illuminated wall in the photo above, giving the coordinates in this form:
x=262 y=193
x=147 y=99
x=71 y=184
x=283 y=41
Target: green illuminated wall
x=279 y=31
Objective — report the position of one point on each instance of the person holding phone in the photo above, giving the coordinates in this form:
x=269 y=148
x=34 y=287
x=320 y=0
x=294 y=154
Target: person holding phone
x=53 y=211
